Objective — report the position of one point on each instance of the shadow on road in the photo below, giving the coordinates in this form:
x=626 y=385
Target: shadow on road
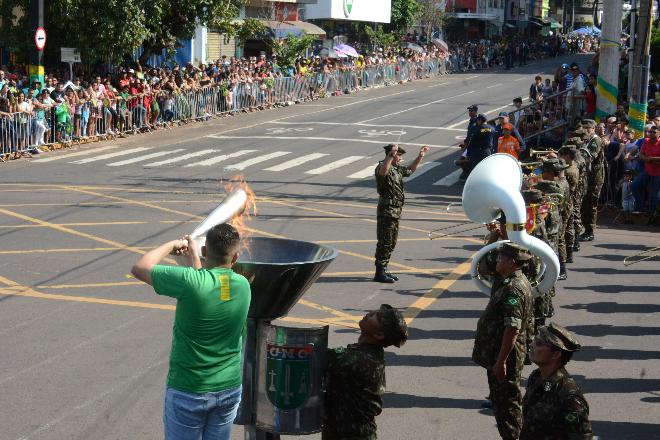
x=396 y=400
x=612 y=307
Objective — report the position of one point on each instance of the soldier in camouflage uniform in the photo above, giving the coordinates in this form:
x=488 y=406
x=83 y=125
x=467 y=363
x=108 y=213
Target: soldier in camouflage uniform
x=556 y=188
x=500 y=342
x=596 y=176
x=583 y=166
x=356 y=377
x=568 y=153
x=554 y=407
x=542 y=303
x=391 y=197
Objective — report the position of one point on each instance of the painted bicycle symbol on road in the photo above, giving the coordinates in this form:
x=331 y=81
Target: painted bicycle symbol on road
x=282 y=130
x=374 y=133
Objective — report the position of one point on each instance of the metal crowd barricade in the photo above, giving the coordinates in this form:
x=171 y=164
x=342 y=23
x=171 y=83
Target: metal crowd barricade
x=534 y=130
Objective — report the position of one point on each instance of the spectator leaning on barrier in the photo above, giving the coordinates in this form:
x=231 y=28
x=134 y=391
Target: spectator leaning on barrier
x=650 y=178
x=205 y=373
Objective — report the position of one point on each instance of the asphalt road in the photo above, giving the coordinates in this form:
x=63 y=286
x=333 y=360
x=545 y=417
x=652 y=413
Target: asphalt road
x=85 y=347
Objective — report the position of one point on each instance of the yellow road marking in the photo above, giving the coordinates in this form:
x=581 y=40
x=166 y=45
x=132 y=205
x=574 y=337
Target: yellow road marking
x=91 y=285
x=75 y=224
x=438 y=289
x=48 y=251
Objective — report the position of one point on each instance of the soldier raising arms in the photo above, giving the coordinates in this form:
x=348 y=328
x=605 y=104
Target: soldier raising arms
x=389 y=183
x=554 y=407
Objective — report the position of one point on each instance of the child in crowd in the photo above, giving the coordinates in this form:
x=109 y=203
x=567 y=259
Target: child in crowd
x=627 y=198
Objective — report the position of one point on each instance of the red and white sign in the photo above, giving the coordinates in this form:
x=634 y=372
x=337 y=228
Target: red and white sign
x=40 y=38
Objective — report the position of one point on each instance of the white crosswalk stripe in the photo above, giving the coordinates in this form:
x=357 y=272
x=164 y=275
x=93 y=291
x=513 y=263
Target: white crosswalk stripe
x=181 y=158
x=221 y=158
x=246 y=163
x=367 y=172
x=111 y=155
x=145 y=157
x=449 y=179
x=296 y=162
x=77 y=153
x=424 y=168
x=334 y=165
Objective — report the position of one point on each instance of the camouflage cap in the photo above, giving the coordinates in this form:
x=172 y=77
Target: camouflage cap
x=575 y=140
x=568 y=149
x=553 y=165
x=388 y=148
x=394 y=326
x=558 y=336
x=532 y=196
x=515 y=251
x=588 y=123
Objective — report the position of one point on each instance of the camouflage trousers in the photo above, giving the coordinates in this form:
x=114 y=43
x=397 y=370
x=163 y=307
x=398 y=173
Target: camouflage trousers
x=387 y=232
x=561 y=241
x=577 y=210
x=568 y=233
x=590 y=203
x=507 y=403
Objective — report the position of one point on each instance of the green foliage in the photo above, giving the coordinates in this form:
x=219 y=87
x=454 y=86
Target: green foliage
x=247 y=29
x=291 y=48
x=379 y=38
x=114 y=29
x=404 y=14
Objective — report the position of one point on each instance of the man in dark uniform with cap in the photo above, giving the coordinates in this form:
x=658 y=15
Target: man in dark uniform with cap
x=500 y=342
x=481 y=144
x=596 y=176
x=356 y=376
x=471 y=130
x=554 y=407
x=391 y=197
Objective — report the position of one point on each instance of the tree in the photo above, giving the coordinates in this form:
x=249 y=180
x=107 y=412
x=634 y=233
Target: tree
x=379 y=38
x=289 y=49
x=431 y=17
x=655 y=50
x=404 y=15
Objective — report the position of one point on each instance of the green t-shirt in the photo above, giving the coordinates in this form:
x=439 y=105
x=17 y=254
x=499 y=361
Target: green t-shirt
x=210 y=318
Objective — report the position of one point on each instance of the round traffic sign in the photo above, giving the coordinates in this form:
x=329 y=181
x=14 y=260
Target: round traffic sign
x=40 y=38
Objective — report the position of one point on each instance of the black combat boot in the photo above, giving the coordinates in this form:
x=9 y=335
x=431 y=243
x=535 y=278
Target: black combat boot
x=587 y=236
x=391 y=275
x=562 y=271
x=576 y=246
x=381 y=276
x=569 y=255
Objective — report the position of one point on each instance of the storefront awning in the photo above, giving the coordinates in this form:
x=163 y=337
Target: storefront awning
x=282 y=29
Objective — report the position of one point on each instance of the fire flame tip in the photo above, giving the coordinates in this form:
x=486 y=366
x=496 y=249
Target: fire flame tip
x=241 y=220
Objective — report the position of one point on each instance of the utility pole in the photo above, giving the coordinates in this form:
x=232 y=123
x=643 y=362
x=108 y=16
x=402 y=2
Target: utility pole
x=631 y=50
x=608 y=70
x=36 y=21
x=641 y=60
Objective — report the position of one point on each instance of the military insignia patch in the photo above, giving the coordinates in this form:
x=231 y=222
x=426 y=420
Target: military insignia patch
x=547 y=386
x=512 y=301
x=571 y=417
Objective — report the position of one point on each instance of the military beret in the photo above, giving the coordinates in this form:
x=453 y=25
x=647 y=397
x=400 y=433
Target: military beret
x=515 y=251
x=588 y=123
x=558 y=336
x=473 y=108
x=394 y=326
x=388 y=148
x=553 y=165
x=532 y=196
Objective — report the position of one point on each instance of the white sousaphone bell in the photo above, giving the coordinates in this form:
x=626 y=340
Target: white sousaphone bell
x=494 y=186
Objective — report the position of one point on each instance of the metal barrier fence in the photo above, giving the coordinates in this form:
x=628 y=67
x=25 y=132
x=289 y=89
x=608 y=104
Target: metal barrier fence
x=545 y=123
x=26 y=133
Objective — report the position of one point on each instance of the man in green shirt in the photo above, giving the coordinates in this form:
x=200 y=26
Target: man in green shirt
x=204 y=379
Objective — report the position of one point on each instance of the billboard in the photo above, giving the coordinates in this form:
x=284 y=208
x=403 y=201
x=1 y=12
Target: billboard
x=378 y=11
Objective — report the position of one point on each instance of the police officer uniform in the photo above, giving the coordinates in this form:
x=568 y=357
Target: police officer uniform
x=554 y=408
x=481 y=143
x=510 y=305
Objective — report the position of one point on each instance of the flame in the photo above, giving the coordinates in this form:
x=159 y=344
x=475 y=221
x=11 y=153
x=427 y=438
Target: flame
x=241 y=221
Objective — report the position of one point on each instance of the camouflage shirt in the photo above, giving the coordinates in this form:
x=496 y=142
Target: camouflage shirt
x=390 y=190
x=553 y=219
x=554 y=409
x=510 y=305
x=595 y=147
x=355 y=386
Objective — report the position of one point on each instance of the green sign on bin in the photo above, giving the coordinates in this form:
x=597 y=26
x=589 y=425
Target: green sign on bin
x=288 y=375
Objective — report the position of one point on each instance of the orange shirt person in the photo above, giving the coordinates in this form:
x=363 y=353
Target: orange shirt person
x=508 y=144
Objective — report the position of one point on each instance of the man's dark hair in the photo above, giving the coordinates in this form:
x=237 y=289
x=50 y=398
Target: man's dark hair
x=221 y=243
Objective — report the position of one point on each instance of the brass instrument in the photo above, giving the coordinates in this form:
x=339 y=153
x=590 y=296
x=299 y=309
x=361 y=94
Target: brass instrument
x=540 y=153
x=493 y=187
x=654 y=253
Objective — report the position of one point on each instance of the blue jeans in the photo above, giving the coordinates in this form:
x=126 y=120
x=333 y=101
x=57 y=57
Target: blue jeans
x=207 y=416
